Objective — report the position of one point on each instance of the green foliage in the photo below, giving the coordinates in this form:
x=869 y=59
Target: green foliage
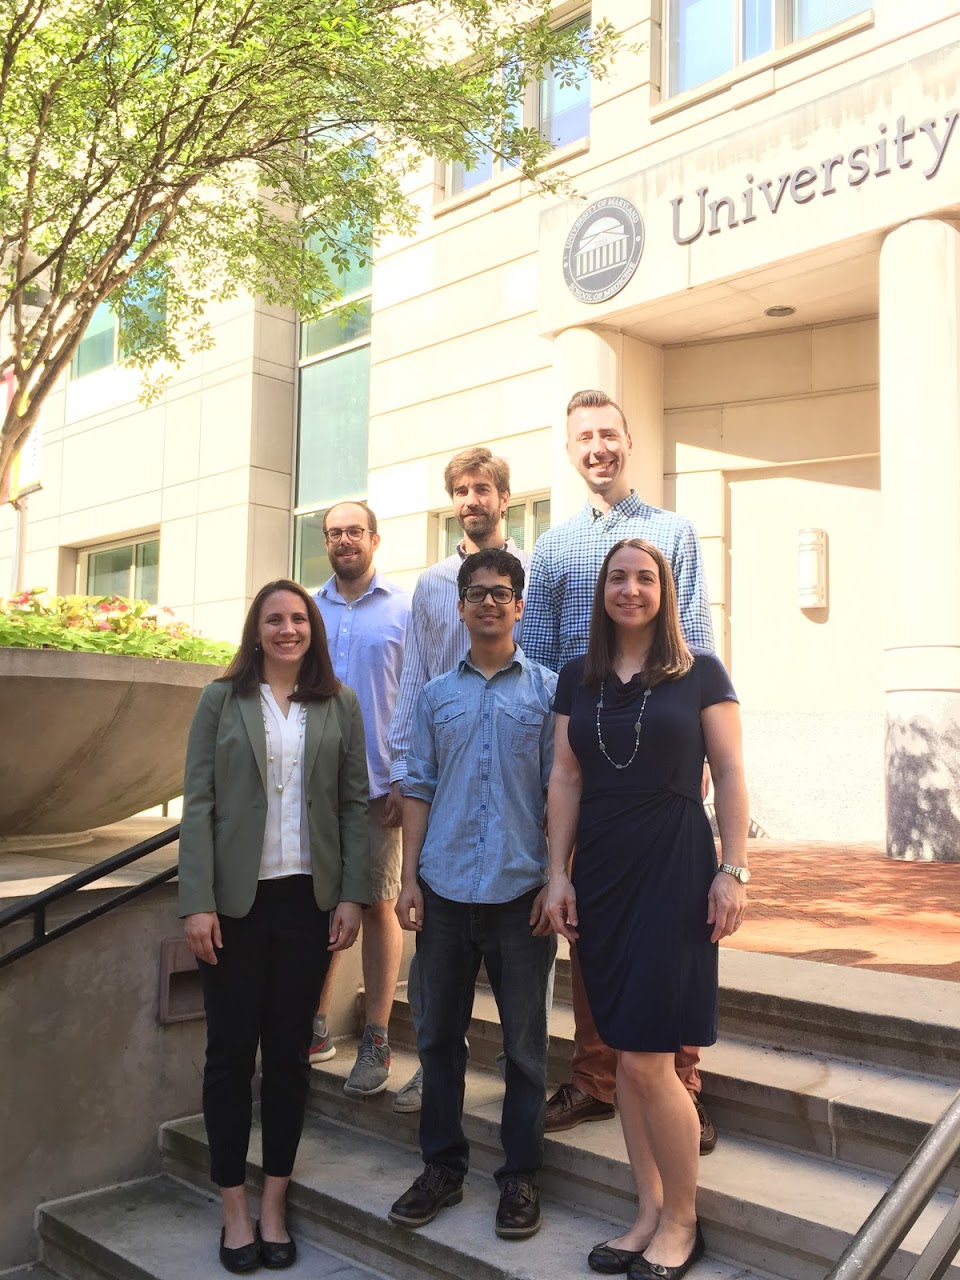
x=159 y=149
x=103 y=624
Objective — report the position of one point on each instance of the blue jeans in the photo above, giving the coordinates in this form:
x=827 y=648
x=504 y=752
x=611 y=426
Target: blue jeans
x=456 y=937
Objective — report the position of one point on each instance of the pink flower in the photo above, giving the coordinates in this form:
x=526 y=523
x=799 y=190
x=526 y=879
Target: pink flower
x=103 y=626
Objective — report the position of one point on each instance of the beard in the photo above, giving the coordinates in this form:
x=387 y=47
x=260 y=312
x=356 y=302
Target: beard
x=480 y=524
x=353 y=567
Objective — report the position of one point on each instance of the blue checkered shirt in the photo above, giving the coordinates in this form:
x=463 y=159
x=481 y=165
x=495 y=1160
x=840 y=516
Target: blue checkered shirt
x=436 y=641
x=566 y=564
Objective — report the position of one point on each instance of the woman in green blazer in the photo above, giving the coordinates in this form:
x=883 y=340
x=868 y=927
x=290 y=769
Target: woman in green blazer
x=274 y=870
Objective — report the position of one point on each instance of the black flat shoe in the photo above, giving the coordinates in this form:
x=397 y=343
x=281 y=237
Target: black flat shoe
x=275 y=1254
x=242 y=1260
x=644 y=1270
x=612 y=1262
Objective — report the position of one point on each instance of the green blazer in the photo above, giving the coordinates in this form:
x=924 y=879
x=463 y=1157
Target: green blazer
x=225 y=802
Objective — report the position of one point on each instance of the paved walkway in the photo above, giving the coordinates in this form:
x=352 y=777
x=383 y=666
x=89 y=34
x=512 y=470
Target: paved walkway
x=851 y=905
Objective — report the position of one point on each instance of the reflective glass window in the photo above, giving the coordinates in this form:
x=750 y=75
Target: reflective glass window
x=334 y=416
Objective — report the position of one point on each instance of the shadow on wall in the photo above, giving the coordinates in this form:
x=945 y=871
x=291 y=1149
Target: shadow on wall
x=923 y=791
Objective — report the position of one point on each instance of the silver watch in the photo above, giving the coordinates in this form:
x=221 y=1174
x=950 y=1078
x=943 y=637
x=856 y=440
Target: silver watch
x=738 y=873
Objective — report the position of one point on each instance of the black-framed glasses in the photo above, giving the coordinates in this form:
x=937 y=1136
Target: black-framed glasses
x=353 y=534
x=477 y=595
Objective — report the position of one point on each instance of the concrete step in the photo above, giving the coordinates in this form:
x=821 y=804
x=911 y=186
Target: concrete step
x=790 y=1213
x=883 y=1019
x=872 y=1117
x=888 y=1019
x=862 y=1113
x=154 y=1229
x=345 y=1181
x=762 y=1209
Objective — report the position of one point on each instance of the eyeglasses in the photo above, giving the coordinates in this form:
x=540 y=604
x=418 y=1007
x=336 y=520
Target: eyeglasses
x=353 y=534
x=477 y=595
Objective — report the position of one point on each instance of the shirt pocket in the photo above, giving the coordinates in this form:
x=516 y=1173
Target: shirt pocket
x=521 y=726
x=449 y=723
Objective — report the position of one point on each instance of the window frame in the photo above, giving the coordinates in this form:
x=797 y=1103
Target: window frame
x=785 y=47
x=529 y=118
x=117 y=544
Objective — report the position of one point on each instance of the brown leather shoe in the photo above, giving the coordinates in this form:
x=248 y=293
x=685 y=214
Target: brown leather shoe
x=708 y=1134
x=570 y=1106
x=518 y=1214
x=432 y=1191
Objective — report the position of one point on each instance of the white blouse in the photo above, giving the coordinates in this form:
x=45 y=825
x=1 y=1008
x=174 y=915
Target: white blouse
x=286 y=843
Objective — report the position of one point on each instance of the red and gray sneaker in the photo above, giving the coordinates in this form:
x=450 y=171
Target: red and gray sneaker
x=372 y=1067
x=322 y=1047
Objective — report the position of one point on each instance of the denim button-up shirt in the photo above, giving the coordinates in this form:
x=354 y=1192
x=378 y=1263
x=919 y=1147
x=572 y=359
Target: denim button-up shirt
x=480 y=756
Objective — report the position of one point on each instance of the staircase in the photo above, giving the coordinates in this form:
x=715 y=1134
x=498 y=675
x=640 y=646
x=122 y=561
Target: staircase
x=824 y=1081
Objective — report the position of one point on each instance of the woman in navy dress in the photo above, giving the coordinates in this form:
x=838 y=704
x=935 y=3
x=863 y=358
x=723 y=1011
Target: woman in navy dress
x=647 y=904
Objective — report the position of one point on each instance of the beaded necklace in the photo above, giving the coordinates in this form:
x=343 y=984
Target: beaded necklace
x=636 y=745
x=302 y=718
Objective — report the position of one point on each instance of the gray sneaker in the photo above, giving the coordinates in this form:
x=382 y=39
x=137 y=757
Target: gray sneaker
x=369 y=1074
x=410 y=1097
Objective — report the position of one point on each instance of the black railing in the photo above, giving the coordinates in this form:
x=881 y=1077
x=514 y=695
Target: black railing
x=36 y=907
x=883 y=1232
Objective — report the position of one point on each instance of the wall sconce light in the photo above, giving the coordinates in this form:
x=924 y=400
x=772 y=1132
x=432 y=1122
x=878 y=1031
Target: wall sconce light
x=812 y=569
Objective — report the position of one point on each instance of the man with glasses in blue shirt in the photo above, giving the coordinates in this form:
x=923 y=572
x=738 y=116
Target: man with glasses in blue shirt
x=474 y=860
x=366 y=616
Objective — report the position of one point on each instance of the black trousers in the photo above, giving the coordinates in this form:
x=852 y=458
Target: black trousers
x=263 y=990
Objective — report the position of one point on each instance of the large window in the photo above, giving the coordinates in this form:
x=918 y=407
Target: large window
x=524 y=522
x=560 y=111
x=334 y=417
x=122 y=569
x=708 y=37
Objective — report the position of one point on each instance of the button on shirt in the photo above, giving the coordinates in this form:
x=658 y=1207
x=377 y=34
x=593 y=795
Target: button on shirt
x=366 y=642
x=286 y=841
x=566 y=564
x=480 y=755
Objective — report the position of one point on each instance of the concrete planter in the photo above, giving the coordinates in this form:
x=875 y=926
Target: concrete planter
x=90 y=738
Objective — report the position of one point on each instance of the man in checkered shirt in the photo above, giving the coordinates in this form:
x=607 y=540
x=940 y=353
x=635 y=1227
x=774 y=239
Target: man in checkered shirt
x=556 y=622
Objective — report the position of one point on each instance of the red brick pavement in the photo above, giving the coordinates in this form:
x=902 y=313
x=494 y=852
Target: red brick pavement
x=851 y=905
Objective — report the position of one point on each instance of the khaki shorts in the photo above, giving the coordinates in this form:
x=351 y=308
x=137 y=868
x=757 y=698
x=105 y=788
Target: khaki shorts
x=385 y=853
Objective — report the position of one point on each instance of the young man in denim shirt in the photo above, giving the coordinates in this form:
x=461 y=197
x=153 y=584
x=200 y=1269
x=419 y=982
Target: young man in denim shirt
x=474 y=860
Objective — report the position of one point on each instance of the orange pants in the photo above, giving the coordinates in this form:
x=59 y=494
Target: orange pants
x=595 y=1064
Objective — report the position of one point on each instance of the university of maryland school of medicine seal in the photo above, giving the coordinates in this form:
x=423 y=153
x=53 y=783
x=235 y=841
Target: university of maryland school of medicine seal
x=603 y=249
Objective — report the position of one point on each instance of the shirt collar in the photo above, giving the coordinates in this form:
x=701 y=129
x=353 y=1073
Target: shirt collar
x=377 y=583
x=519 y=659
x=631 y=505
x=509 y=545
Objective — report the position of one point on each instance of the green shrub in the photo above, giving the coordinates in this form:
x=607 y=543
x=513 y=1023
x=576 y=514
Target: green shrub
x=103 y=624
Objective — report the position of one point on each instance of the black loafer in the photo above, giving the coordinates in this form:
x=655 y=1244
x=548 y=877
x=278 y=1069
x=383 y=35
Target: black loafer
x=276 y=1255
x=239 y=1261
x=644 y=1270
x=610 y=1261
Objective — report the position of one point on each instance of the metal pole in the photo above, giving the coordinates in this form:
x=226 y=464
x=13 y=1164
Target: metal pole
x=19 y=545
x=880 y=1236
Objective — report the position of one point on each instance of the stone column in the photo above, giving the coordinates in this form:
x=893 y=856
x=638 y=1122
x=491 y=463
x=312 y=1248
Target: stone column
x=631 y=373
x=919 y=611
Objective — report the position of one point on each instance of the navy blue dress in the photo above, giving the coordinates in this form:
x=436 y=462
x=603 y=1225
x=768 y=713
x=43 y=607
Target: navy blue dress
x=645 y=858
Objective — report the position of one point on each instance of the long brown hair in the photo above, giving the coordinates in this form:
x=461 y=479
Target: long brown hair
x=669 y=658
x=316 y=679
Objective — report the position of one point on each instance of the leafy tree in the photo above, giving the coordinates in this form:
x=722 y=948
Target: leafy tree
x=157 y=150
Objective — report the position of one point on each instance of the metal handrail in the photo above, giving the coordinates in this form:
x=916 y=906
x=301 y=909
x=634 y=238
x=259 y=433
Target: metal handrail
x=38 y=904
x=884 y=1230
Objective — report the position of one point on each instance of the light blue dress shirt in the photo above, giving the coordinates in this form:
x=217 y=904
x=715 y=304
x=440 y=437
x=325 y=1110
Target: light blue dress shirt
x=566 y=564
x=366 y=640
x=436 y=641
x=480 y=755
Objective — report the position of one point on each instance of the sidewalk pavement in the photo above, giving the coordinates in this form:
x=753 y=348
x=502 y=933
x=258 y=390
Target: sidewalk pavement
x=849 y=904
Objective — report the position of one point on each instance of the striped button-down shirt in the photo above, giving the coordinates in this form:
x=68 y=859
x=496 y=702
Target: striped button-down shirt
x=566 y=564
x=436 y=641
